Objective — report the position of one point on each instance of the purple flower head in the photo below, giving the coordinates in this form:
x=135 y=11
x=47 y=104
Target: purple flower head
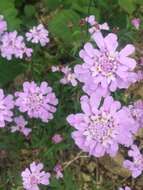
x=106 y=69
x=101 y=128
x=95 y=26
x=136 y=22
x=6 y=106
x=137 y=112
x=34 y=176
x=3 y=25
x=13 y=45
x=38 y=34
x=125 y=188
x=69 y=77
x=37 y=101
x=58 y=169
x=91 y=20
x=20 y=126
x=55 y=68
x=135 y=166
x=57 y=138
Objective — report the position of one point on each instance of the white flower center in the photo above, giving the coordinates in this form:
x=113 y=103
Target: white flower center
x=106 y=65
x=101 y=128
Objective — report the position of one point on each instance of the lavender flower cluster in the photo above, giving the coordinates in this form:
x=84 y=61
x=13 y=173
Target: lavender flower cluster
x=38 y=102
x=13 y=45
x=104 y=124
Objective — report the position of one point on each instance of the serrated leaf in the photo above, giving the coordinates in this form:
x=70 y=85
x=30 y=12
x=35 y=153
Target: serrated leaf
x=51 y=5
x=29 y=11
x=84 y=10
x=6 y=4
x=128 y=5
x=7 y=8
x=61 y=22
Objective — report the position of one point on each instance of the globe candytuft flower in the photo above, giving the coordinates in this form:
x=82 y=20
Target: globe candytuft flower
x=34 y=176
x=136 y=22
x=100 y=129
x=91 y=20
x=57 y=138
x=38 y=34
x=13 y=45
x=136 y=165
x=3 y=25
x=58 y=169
x=137 y=112
x=95 y=26
x=69 y=76
x=106 y=69
x=20 y=126
x=37 y=101
x=6 y=106
x=55 y=69
x=125 y=188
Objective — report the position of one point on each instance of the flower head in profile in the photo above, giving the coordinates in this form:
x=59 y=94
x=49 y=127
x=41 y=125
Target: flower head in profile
x=20 y=126
x=106 y=69
x=91 y=20
x=136 y=22
x=55 y=69
x=136 y=165
x=38 y=34
x=3 y=25
x=57 y=138
x=95 y=26
x=6 y=106
x=124 y=188
x=13 y=45
x=102 y=127
x=58 y=169
x=69 y=76
x=34 y=176
x=37 y=101
x=137 y=112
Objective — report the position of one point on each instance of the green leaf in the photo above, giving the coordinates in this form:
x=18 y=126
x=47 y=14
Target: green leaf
x=120 y=21
x=7 y=8
x=69 y=180
x=63 y=24
x=139 y=2
x=81 y=2
x=84 y=10
x=128 y=5
x=29 y=11
x=68 y=183
x=51 y=5
x=9 y=70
